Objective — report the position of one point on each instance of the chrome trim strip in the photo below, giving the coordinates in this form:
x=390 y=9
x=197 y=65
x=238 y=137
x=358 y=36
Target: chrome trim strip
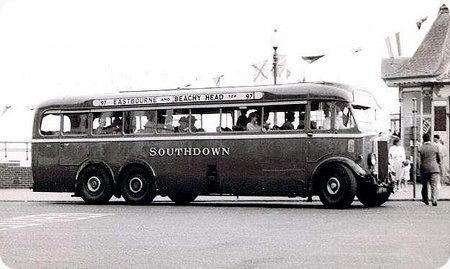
x=198 y=137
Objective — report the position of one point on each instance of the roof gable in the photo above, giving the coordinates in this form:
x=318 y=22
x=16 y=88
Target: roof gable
x=431 y=60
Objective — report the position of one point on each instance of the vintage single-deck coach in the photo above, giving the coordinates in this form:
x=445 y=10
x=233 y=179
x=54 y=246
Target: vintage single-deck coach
x=283 y=140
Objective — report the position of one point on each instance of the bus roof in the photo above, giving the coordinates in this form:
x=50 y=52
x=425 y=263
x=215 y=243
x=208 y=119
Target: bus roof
x=306 y=91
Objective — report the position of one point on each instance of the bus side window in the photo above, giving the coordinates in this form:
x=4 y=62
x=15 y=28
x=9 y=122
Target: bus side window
x=75 y=124
x=107 y=123
x=284 y=118
x=320 y=115
x=172 y=120
x=50 y=124
x=134 y=122
x=206 y=120
x=227 y=119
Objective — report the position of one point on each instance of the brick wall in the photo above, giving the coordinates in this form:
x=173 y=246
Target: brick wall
x=15 y=177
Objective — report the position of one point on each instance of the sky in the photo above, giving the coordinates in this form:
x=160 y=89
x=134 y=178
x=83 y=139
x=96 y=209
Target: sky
x=54 y=48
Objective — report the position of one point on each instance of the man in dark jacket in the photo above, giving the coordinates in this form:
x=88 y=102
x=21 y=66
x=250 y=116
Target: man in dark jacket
x=429 y=169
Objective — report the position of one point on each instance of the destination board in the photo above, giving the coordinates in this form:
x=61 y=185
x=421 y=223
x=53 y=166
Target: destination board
x=182 y=98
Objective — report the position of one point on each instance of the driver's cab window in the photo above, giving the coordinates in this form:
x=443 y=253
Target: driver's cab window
x=343 y=118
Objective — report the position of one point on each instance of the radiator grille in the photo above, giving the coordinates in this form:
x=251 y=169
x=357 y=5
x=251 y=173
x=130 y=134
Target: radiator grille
x=383 y=160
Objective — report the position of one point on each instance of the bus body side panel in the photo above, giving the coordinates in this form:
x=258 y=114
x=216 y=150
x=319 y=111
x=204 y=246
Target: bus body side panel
x=48 y=175
x=240 y=172
x=284 y=169
x=207 y=165
x=171 y=161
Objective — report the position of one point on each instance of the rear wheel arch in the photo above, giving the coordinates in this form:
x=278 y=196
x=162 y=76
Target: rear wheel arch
x=135 y=163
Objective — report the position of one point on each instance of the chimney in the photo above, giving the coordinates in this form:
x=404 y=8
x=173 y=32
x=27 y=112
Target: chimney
x=443 y=9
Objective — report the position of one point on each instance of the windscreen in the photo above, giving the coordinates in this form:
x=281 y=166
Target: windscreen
x=365 y=117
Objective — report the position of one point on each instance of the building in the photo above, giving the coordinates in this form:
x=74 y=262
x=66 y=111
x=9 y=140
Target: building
x=424 y=77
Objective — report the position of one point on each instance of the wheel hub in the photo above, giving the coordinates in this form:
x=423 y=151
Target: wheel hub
x=94 y=184
x=333 y=185
x=135 y=185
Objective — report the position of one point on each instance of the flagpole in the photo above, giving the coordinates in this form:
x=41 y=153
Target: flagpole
x=275 y=55
x=275 y=63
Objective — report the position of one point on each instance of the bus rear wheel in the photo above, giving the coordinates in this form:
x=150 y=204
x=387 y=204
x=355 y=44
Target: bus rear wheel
x=368 y=196
x=182 y=198
x=138 y=187
x=95 y=185
x=337 y=186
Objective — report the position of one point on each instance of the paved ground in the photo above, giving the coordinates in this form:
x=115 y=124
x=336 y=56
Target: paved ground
x=28 y=195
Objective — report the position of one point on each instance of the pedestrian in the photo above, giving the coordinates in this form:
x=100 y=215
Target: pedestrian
x=443 y=165
x=405 y=175
x=396 y=158
x=429 y=169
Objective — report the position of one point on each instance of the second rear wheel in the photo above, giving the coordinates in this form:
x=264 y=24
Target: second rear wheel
x=138 y=186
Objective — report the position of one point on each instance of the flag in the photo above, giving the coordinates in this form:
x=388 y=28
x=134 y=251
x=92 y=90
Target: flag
x=4 y=109
x=356 y=50
x=288 y=73
x=281 y=65
x=397 y=40
x=389 y=46
x=420 y=22
x=217 y=80
x=311 y=59
x=260 y=71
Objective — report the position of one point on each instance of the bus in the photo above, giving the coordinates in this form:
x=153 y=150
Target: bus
x=292 y=140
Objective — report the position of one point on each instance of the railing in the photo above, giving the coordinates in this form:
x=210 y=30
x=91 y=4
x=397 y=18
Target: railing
x=17 y=152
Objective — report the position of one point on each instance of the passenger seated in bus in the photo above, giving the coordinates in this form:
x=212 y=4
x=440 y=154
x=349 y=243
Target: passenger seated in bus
x=301 y=124
x=130 y=125
x=241 y=123
x=149 y=126
x=184 y=125
x=193 y=127
x=342 y=116
x=101 y=126
x=115 y=127
x=253 y=124
x=326 y=124
x=287 y=125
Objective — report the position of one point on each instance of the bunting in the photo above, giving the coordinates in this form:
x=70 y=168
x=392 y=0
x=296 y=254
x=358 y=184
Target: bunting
x=260 y=71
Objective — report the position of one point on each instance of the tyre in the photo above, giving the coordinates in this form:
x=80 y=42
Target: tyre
x=337 y=186
x=138 y=186
x=368 y=196
x=95 y=185
x=182 y=198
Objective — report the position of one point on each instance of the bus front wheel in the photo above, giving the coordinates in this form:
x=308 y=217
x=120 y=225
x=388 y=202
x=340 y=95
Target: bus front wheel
x=95 y=185
x=337 y=186
x=138 y=187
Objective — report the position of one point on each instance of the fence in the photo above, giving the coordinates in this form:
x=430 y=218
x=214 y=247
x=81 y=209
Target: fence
x=15 y=153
